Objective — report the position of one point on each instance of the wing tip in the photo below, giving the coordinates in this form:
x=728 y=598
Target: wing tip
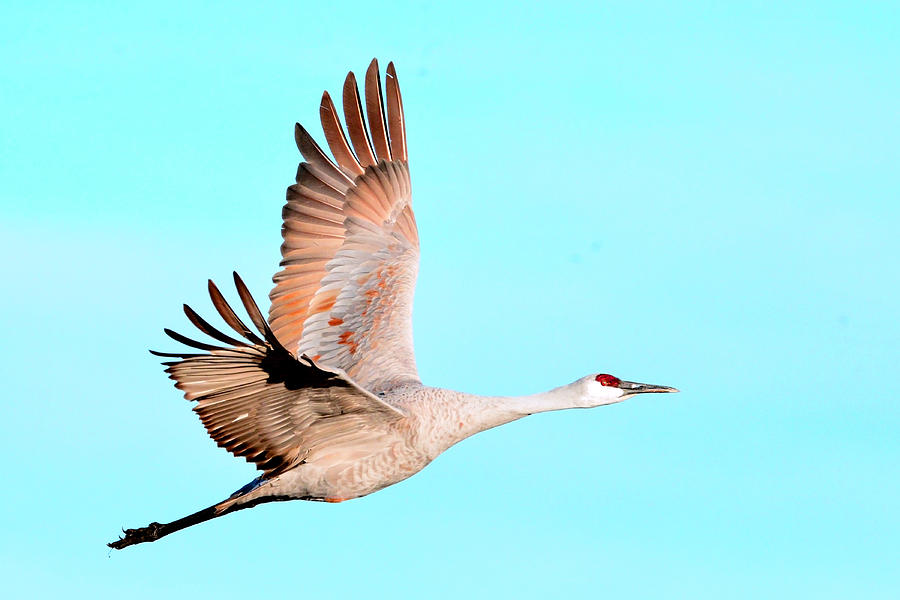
x=325 y=103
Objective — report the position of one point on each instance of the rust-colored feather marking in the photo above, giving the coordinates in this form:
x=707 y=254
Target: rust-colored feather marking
x=258 y=401
x=344 y=220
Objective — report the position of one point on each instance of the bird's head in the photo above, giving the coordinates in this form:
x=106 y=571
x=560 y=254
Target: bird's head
x=608 y=389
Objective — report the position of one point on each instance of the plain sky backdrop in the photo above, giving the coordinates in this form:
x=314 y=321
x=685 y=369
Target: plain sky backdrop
x=704 y=196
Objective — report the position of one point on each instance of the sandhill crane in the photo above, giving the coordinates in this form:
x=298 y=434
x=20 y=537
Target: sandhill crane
x=324 y=397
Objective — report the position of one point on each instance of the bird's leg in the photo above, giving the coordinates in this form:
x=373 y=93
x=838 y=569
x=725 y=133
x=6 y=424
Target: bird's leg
x=154 y=531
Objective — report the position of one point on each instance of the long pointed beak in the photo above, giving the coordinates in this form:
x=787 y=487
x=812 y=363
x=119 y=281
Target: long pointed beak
x=631 y=387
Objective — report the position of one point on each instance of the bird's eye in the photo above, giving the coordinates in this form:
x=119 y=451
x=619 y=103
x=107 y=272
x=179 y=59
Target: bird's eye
x=608 y=380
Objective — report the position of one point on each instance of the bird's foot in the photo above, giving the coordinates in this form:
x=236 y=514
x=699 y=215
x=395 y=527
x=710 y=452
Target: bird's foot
x=150 y=533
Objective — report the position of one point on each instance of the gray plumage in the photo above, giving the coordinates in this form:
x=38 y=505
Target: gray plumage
x=324 y=396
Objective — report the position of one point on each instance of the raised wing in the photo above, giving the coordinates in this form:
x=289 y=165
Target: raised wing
x=351 y=248
x=258 y=401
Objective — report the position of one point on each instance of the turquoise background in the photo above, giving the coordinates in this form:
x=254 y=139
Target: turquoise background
x=703 y=196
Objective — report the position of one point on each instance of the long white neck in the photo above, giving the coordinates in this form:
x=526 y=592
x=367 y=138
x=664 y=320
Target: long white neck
x=478 y=413
x=566 y=396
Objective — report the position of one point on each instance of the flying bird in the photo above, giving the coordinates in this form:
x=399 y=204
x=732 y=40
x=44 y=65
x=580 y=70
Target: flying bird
x=323 y=396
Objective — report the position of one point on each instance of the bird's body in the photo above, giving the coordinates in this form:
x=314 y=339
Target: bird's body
x=435 y=420
x=324 y=397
